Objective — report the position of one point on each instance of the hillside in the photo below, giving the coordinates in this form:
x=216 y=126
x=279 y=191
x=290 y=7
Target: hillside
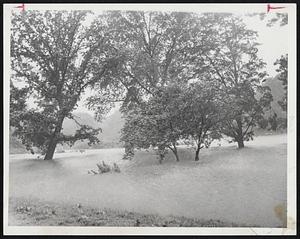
x=109 y=137
x=69 y=125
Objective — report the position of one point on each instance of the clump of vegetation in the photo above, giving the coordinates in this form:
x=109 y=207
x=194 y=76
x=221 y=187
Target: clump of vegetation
x=105 y=168
x=283 y=77
x=116 y=168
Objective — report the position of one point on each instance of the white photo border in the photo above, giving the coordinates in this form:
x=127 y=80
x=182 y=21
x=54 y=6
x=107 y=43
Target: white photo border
x=201 y=7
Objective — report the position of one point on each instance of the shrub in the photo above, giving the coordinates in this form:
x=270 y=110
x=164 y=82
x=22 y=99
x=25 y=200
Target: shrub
x=105 y=168
x=282 y=123
x=116 y=168
x=263 y=123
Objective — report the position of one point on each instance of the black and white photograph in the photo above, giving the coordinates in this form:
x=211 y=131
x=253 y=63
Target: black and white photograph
x=149 y=119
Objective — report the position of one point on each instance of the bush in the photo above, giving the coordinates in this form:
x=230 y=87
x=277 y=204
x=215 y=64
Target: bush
x=263 y=123
x=273 y=121
x=116 y=168
x=105 y=168
x=282 y=123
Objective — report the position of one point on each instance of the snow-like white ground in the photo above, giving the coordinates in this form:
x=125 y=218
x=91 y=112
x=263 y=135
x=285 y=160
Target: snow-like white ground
x=245 y=186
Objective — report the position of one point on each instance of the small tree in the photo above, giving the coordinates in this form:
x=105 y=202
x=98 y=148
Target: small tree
x=57 y=58
x=283 y=77
x=156 y=124
x=273 y=120
x=203 y=113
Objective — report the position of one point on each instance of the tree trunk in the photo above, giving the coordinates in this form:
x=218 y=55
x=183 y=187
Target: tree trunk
x=197 y=153
x=174 y=150
x=240 y=136
x=199 y=140
x=161 y=158
x=176 y=155
x=51 y=149
x=161 y=153
x=53 y=142
x=240 y=143
x=129 y=151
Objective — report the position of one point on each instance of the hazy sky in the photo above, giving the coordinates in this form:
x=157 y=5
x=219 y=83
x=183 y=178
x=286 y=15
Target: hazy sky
x=274 y=41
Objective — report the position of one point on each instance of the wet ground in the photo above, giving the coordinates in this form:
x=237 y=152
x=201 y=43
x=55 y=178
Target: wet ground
x=245 y=186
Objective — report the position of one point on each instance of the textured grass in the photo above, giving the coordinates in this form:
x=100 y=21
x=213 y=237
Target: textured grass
x=37 y=213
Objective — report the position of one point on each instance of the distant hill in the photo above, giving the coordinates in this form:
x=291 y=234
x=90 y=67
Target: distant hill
x=69 y=126
x=111 y=127
x=109 y=137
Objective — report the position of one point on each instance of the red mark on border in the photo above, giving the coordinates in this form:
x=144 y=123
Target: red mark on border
x=269 y=7
x=21 y=7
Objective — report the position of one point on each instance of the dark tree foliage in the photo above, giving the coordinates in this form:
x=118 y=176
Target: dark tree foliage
x=201 y=107
x=17 y=103
x=234 y=64
x=152 y=46
x=57 y=57
x=179 y=112
x=179 y=77
x=157 y=51
x=283 y=77
x=272 y=19
x=273 y=121
x=157 y=124
x=282 y=20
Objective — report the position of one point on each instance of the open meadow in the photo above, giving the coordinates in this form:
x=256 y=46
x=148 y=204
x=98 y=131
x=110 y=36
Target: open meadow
x=227 y=186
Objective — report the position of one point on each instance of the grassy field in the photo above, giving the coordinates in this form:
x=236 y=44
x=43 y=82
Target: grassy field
x=42 y=213
x=226 y=187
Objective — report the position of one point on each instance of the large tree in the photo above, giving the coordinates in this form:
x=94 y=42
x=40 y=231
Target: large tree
x=233 y=62
x=56 y=57
x=152 y=46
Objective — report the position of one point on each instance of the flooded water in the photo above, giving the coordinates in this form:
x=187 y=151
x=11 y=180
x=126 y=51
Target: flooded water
x=240 y=186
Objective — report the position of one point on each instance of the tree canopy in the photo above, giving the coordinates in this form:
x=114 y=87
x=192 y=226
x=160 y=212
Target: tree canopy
x=181 y=77
x=57 y=57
